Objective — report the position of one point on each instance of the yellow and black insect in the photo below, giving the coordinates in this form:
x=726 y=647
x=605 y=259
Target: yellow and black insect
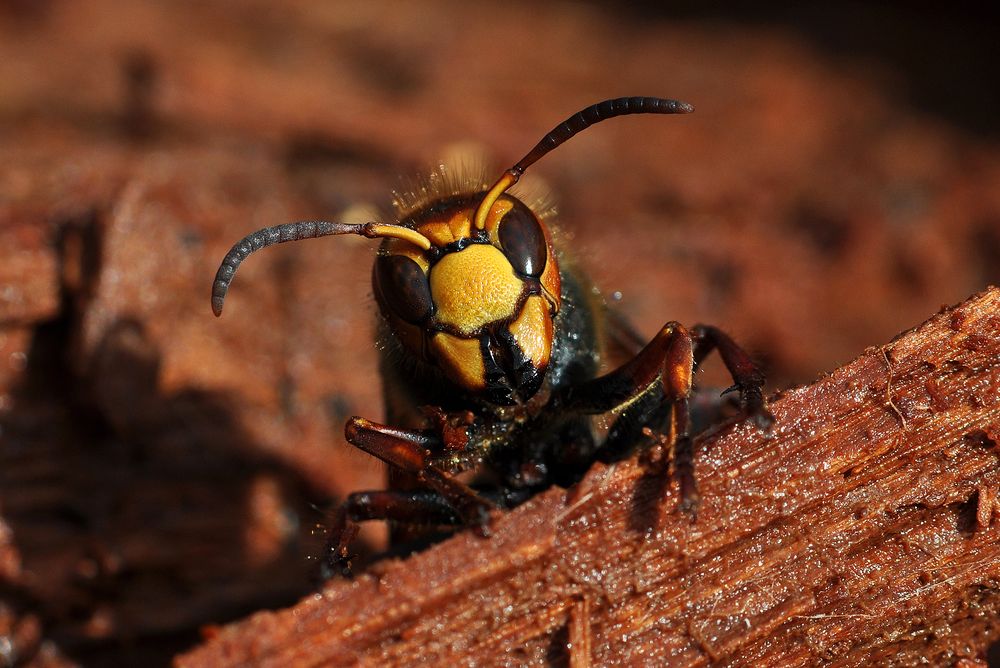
x=488 y=357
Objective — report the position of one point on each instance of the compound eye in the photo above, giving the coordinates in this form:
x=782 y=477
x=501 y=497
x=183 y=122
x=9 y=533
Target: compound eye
x=403 y=287
x=523 y=241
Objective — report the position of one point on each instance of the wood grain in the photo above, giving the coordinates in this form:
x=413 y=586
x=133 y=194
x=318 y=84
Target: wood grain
x=861 y=530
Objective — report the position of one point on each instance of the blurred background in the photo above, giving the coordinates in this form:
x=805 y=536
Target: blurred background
x=162 y=471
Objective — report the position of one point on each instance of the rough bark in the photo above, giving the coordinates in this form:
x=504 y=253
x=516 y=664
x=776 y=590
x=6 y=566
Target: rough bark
x=161 y=470
x=861 y=531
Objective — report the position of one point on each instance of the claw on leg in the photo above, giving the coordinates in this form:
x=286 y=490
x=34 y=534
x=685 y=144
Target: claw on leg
x=747 y=376
x=336 y=558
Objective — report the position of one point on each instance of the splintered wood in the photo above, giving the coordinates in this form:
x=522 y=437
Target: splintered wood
x=863 y=530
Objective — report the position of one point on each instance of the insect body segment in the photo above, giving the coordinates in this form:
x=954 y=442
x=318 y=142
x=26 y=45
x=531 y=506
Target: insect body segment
x=478 y=305
x=490 y=363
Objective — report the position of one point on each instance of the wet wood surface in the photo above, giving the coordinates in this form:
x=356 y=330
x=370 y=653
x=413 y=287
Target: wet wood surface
x=862 y=530
x=163 y=471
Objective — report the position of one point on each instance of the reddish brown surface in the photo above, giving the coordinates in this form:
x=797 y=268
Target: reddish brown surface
x=157 y=466
x=862 y=530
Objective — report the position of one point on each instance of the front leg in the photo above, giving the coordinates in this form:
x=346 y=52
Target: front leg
x=410 y=451
x=407 y=451
x=424 y=508
x=669 y=360
x=621 y=386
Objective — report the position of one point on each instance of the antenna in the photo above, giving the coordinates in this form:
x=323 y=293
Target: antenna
x=578 y=122
x=306 y=229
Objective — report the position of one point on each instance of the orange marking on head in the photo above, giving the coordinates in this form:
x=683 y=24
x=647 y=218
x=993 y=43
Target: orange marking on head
x=550 y=279
x=461 y=224
x=443 y=232
x=439 y=232
x=532 y=329
x=460 y=359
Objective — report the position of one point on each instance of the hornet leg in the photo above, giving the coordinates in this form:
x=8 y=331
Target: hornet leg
x=411 y=452
x=417 y=507
x=671 y=357
x=747 y=377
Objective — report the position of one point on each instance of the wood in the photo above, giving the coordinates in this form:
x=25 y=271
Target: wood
x=862 y=529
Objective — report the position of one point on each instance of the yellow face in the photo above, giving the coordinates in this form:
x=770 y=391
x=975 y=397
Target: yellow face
x=479 y=304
